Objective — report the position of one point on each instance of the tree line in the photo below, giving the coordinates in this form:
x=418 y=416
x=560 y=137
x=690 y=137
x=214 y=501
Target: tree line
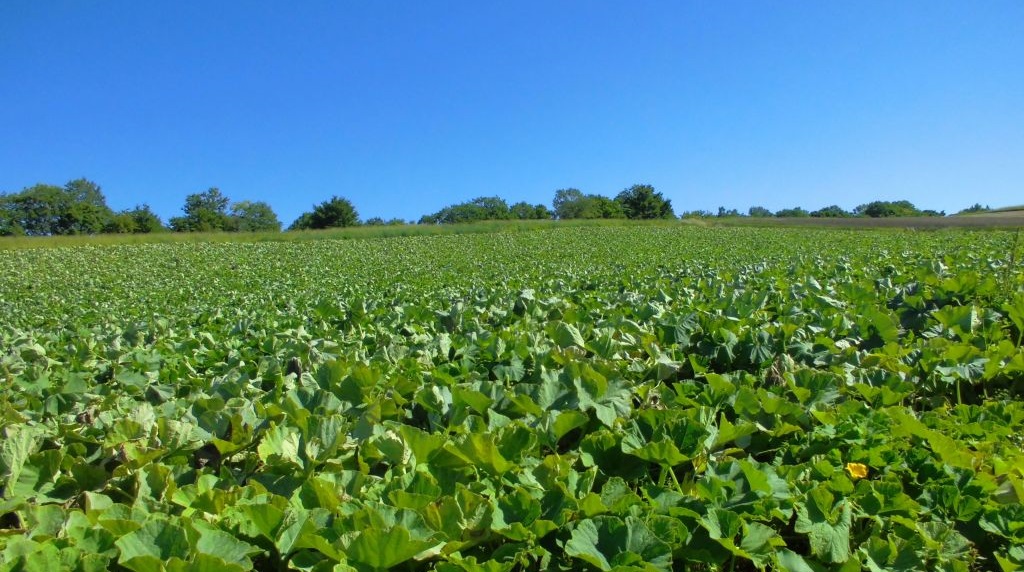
x=874 y=209
x=79 y=207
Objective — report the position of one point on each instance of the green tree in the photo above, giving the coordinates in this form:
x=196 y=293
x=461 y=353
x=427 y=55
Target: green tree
x=146 y=221
x=304 y=222
x=758 y=212
x=525 y=211
x=795 y=212
x=600 y=206
x=10 y=225
x=336 y=212
x=478 y=209
x=573 y=204
x=569 y=203
x=120 y=223
x=643 y=202
x=378 y=221
x=454 y=214
x=42 y=210
x=492 y=208
x=831 y=211
x=881 y=209
x=139 y=220
x=204 y=212
x=254 y=216
x=975 y=208
x=86 y=208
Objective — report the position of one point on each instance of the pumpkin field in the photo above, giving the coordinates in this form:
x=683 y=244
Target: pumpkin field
x=582 y=398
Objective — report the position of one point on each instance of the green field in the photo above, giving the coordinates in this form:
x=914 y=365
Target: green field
x=623 y=397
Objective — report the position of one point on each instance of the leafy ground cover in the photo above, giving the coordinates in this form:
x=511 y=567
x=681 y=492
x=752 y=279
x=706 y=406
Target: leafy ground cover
x=606 y=398
x=1010 y=218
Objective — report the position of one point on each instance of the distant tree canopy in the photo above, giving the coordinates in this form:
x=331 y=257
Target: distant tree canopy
x=204 y=212
x=975 y=208
x=40 y=210
x=795 y=212
x=636 y=202
x=254 y=216
x=873 y=209
x=378 y=221
x=138 y=220
x=212 y=211
x=78 y=207
x=572 y=204
x=333 y=213
x=87 y=211
x=643 y=202
x=485 y=208
x=831 y=211
x=877 y=209
x=525 y=211
x=480 y=208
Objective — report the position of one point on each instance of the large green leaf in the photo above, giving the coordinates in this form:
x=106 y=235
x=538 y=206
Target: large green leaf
x=154 y=542
x=608 y=542
x=19 y=442
x=567 y=335
x=222 y=545
x=827 y=526
x=664 y=437
x=383 y=549
x=281 y=444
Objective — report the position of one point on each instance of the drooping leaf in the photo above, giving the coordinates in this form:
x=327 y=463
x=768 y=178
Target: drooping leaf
x=155 y=541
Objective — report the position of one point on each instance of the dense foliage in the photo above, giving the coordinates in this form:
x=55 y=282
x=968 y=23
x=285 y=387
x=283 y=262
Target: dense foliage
x=254 y=216
x=212 y=211
x=643 y=202
x=204 y=212
x=975 y=208
x=795 y=212
x=486 y=208
x=636 y=202
x=876 y=209
x=138 y=220
x=333 y=213
x=831 y=211
x=78 y=207
x=636 y=398
x=573 y=204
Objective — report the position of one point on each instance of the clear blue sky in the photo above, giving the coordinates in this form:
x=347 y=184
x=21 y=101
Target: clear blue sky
x=404 y=107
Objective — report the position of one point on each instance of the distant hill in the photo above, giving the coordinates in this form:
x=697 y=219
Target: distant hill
x=1019 y=209
x=1000 y=212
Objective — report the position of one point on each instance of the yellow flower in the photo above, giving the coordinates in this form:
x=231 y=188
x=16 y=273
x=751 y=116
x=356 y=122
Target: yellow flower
x=857 y=470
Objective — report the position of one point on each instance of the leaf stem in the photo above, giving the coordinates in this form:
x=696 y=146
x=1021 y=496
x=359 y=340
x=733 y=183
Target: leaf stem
x=676 y=481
